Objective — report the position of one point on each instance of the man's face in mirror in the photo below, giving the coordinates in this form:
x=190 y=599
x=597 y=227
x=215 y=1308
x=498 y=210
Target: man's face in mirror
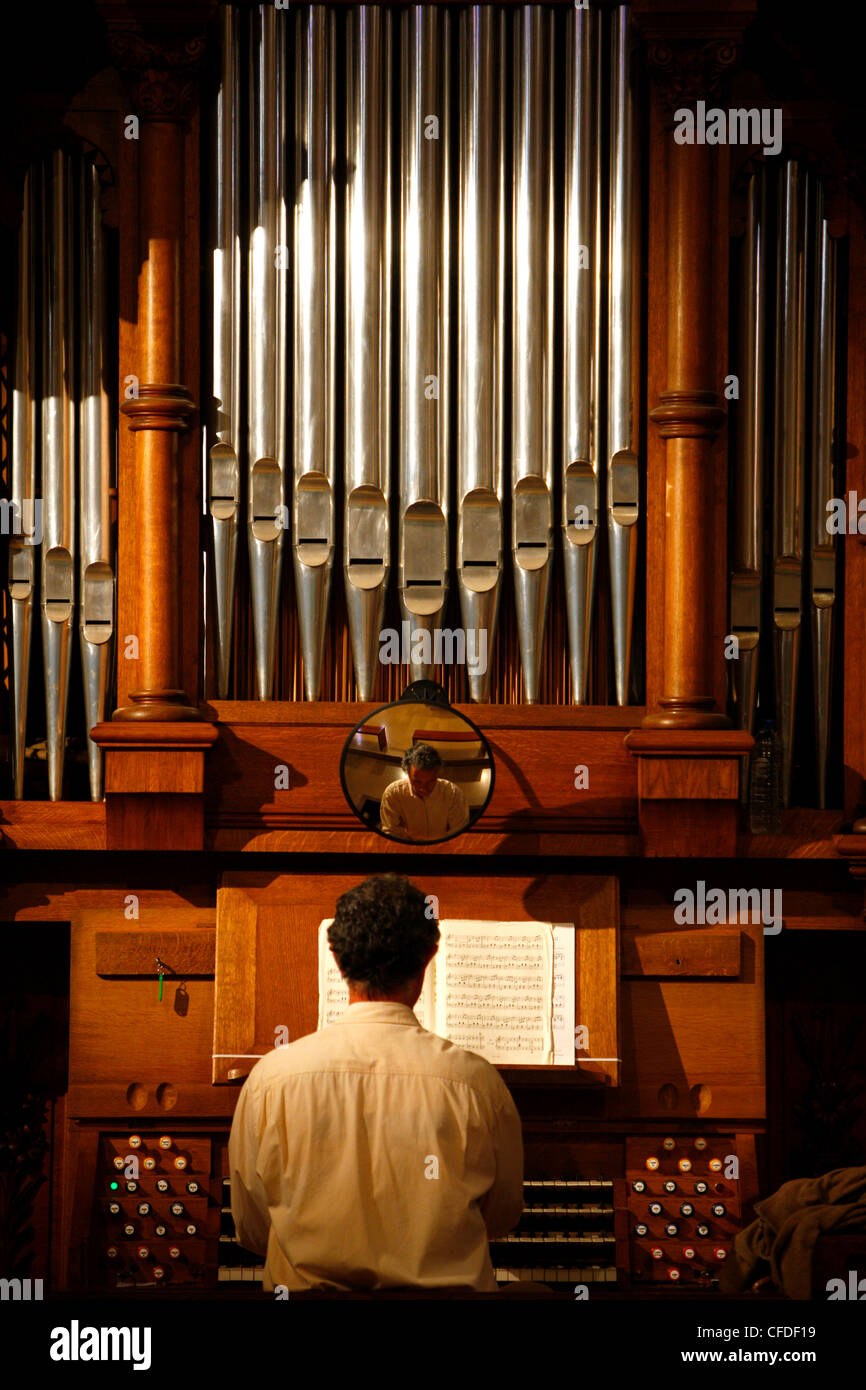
x=423 y=780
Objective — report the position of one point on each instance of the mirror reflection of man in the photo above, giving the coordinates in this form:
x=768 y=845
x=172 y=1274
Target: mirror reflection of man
x=423 y=805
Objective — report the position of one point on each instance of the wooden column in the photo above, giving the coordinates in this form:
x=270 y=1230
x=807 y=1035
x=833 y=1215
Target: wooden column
x=158 y=414
x=161 y=73
x=688 y=754
x=156 y=743
x=689 y=415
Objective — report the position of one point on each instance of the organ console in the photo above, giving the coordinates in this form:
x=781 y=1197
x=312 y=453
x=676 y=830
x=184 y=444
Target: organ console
x=461 y=284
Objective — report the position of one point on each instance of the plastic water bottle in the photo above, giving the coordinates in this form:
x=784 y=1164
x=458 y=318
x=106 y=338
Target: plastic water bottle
x=765 y=783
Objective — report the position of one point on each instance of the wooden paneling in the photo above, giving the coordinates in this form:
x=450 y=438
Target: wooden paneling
x=696 y=1048
x=77 y=825
x=188 y=1101
x=535 y=754
x=123 y=895
x=184 y=953
x=267 y=952
x=357 y=841
x=120 y=1031
x=695 y=778
x=684 y=829
x=153 y=770
x=688 y=785
x=705 y=952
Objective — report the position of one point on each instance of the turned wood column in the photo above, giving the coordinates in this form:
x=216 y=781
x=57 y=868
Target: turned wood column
x=688 y=55
x=689 y=758
x=156 y=744
x=161 y=72
x=689 y=415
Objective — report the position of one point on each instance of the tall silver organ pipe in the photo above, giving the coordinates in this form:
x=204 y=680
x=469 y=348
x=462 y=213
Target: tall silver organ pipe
x=268 y=254
x=622 y=422
x=224 y=456
x=789 y=455
x=582 y=445
x=749 y=463
x=424 y=321
x=481 y=327
x=532 y=336
x=366 y=531
x=22 y=570
x=314 y=499
x=822 y=543
x=58 y=446
x=96 y=578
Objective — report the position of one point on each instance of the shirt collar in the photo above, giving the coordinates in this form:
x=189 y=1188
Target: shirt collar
x=379 y=1011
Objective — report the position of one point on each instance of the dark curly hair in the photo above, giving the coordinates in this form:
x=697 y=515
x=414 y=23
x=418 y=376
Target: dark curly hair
x=421 y=755
x=381 y=934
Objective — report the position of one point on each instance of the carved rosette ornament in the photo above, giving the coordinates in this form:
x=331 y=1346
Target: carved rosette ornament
x=161 y=72
x=685 y=71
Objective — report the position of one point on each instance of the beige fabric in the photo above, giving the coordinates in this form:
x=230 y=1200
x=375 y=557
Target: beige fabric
x=330 y=1158
x=413 y=817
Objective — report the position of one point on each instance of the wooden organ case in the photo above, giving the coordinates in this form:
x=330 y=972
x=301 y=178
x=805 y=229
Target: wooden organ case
x=194 y=887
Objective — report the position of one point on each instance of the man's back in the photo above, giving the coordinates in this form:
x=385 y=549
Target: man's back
x=385 y=1155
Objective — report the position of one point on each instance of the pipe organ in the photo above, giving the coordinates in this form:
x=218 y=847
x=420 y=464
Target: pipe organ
x=786 y=459
x=450 y=355
x=376 y=331
x=61 y=467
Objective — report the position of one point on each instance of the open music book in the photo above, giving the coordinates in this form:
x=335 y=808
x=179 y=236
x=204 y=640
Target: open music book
x=502 y=989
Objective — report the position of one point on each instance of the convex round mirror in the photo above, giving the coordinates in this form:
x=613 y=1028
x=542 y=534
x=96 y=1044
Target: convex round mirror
x=416 y=770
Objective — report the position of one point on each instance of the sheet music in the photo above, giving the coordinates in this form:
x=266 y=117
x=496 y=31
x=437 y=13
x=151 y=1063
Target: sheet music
x=334 y=992
x=563 y=994
x=501 y=973
x=494 y=989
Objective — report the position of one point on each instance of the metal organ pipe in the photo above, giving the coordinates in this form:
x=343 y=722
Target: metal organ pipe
x=314 y=263
x=424 y=321
x=532 y=337
x=224 y=463
x=789 y=454
x=481 y=325
x=24 y=432
x=822 y=543
x=58 y=442
x=96 y=594
x=268 y=360
x=366 y=538
x=582 y=444
x=600 y=245
x=622 y=423
x=749 y=463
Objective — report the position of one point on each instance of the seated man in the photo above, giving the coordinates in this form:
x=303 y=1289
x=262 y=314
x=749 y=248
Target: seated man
x=423 y=806
x=374 y=1154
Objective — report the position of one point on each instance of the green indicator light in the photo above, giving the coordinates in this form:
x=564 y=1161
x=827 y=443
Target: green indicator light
x=113 y=1186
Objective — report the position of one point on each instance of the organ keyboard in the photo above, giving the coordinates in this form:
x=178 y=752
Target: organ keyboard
x=566 y=1234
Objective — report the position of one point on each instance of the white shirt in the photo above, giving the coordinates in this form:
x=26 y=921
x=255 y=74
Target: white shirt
x=374 y=1154
x=431 y=817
